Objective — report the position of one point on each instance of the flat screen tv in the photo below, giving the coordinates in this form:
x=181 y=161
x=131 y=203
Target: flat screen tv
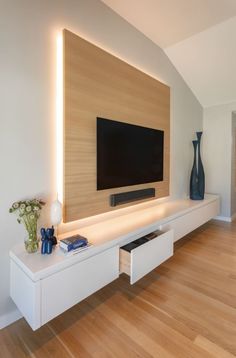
x=128 y=154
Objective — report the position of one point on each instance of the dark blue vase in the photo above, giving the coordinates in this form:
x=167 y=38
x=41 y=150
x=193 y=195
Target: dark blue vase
x=201 y=174
x=197 y=179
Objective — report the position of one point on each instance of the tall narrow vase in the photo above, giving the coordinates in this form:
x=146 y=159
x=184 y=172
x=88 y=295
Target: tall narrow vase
x=197 y=179
x=201 y=174
x=194 y=177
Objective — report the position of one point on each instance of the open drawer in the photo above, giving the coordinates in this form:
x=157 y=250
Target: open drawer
x=137 y=261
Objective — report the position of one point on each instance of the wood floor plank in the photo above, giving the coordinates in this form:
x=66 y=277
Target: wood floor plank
x=212 y=348
x=186 y=308
x=11 y=346
x=156 y=331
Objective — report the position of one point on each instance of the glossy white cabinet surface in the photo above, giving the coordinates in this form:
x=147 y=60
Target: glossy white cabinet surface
x=45 y=299
x=39 y=282
x=116 y=231
x=70 y=286
x=182 y=225
x=26 y=295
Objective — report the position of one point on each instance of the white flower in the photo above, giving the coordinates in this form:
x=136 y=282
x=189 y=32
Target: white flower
x=15 y=205
x=36 y=208
x=22 y=206
x=31 y=216
x=28 y=208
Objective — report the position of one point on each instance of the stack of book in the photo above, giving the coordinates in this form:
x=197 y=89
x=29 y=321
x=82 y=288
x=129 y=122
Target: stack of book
x=74 y=244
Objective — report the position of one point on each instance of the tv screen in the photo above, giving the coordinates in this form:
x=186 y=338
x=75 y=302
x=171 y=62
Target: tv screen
x=128 y=154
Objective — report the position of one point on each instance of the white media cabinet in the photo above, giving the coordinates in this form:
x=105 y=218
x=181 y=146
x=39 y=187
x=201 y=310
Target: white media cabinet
x=44 y=286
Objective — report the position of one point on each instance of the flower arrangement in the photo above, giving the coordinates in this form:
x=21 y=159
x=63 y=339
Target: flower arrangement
x=28 y=213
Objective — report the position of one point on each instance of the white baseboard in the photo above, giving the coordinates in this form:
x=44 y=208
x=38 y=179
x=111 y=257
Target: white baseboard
x=224 y=218
x=9 y=318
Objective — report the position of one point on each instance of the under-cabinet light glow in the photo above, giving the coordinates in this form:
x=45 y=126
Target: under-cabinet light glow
x=59 y=115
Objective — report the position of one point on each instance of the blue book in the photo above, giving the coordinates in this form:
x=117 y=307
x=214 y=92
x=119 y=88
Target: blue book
x=73 y=242
x=74 y=252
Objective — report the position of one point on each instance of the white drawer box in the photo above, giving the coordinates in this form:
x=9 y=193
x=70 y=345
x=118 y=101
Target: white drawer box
x=146 y=257
x=70 y=286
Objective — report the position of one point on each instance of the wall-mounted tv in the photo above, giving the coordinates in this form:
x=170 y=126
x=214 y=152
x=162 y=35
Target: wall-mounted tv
x=128 y=154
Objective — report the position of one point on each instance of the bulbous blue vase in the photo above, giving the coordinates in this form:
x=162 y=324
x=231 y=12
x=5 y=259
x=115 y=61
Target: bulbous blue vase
x=197 y=178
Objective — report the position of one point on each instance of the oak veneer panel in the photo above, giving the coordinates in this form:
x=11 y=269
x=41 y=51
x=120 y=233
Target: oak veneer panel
x=97 y=84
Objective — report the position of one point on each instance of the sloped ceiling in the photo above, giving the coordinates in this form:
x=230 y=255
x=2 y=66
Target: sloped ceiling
x=199 y=37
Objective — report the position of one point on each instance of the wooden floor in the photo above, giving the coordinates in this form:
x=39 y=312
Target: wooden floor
x=185 y=308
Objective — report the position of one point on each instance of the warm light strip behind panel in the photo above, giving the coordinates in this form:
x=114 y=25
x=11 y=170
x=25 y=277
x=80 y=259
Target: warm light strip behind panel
x=59 y=113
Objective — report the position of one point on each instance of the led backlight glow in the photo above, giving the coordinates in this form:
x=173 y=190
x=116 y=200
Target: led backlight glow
x=59 y=119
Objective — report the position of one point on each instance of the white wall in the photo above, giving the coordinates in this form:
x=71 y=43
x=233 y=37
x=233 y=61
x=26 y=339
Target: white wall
x=27 y=91
x=217 y=152
x=233 y=167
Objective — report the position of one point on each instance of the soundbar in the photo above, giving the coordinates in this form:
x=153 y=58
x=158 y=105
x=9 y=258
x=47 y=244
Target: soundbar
x=129 y=196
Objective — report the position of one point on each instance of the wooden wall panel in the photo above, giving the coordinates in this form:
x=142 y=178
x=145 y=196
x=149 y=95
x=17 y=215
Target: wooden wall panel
x=97 y=84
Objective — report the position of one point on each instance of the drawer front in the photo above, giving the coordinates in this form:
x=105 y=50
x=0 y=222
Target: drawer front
x=183 y=225
x=26 y=295
x=148 y=256
x=70 y=286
